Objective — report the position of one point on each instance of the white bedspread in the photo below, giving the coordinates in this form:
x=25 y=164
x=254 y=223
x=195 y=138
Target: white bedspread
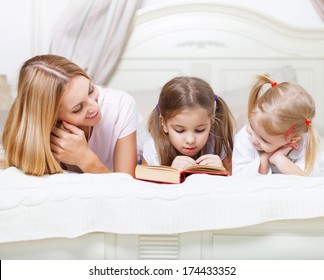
x=70 y=205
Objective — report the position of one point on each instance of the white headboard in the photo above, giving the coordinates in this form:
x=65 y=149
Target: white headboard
x=223 y=44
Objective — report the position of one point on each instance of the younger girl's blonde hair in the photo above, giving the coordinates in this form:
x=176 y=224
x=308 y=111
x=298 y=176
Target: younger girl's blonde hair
x=286 y=107
x=26 y=135
x=182 y=93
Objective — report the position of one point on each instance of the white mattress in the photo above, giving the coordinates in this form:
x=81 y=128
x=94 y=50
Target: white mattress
x=70 y=205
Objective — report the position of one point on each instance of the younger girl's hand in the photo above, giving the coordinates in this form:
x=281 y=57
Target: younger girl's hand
x=281 y=153
x=294 y=146
x=282 y=162
x=68 y=144
x=210 y=159
x=182 y=162
x=264 y=162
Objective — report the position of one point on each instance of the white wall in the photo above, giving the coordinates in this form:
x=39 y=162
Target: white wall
x=25 y=25
x=25 y=30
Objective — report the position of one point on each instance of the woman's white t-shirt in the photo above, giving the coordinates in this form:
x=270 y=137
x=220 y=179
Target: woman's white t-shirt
x=119 y=118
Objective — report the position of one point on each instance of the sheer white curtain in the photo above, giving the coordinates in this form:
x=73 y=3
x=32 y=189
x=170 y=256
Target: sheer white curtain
x=93 y=33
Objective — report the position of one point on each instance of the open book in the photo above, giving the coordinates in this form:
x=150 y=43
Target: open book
x=167 y=174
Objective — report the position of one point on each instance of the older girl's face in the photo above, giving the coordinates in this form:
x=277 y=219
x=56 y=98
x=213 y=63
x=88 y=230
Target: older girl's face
x=188 y=131
x=79 y=105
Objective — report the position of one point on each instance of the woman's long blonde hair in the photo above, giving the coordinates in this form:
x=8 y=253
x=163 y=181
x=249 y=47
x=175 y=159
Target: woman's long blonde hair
x=26 y=135
x=286 y=107
x=187 y=92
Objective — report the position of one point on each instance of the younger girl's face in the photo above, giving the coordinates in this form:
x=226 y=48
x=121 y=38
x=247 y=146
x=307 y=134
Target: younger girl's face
x=79 y=105
x=188 y=131
x=260 y=139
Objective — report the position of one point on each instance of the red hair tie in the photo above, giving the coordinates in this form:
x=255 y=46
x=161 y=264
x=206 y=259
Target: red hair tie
x=290 y=130
x=308 y=122
x=273 y=84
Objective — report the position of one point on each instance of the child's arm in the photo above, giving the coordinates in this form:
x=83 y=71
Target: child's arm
x=283 y=163
x=264 y=163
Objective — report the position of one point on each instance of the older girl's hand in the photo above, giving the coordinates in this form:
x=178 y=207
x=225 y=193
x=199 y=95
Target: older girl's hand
x=210 y=159
x=68 y=144
x=182 y=162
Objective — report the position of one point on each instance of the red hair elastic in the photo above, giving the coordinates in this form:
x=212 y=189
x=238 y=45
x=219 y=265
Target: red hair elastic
x=273 y=84
x=308 y=122
x=290 y=130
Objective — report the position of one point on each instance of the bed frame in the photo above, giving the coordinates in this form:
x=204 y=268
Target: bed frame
x=226 y=45
x=291 y=239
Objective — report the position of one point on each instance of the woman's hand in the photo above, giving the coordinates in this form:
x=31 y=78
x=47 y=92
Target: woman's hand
x=210 y=159
x=182 y=162
x=68 y=144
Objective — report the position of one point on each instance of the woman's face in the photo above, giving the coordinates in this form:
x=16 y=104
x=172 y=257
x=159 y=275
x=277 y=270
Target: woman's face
x=79 y=105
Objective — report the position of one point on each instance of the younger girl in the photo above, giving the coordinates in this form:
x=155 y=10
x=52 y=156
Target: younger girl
x=189 y=126
x=61 y=119
x=280 y=136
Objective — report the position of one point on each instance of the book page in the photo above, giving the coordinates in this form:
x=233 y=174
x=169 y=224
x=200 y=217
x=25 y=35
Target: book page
x=206 y=168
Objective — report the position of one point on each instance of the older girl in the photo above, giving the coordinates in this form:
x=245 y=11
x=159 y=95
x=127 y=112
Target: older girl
x=190 y=126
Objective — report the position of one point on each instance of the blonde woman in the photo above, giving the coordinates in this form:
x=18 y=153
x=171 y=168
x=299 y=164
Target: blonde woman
x=61 y=120
x=280 y=136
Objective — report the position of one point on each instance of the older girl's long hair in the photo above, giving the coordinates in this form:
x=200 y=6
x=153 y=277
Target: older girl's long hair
x=285 y=106
x=26 y=135
x=187 y=92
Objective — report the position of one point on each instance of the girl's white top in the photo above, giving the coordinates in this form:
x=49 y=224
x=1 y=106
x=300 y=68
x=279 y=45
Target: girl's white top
x=246 y=159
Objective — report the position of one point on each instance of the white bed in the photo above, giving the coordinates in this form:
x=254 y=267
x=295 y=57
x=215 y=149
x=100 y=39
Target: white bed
x=113 y=216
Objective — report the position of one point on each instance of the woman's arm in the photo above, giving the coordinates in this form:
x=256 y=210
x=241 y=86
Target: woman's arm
x=125 y=156
x=92 y=164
